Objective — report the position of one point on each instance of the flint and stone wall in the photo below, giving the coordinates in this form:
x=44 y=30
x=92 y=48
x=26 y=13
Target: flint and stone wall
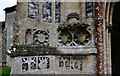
x=88 y=62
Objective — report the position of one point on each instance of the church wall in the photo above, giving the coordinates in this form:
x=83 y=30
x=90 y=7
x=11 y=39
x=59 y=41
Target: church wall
x=10 y=23
x=87 y=65
x=23 y=23
x=0 y=43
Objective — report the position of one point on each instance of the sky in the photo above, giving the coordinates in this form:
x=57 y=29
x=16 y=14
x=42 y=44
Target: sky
x=3 y=5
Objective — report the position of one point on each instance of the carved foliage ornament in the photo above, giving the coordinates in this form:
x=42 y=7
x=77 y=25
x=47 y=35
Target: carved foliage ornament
x=73 y=15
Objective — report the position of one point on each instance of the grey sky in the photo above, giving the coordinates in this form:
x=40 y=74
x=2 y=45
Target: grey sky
x=3 y=5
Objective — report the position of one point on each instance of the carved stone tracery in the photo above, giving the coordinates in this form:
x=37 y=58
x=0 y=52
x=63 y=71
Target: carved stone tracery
x=73 y=33
x=33 y=9
x=47 y=11
x=57 y=11
x=33 y=63
x=41 y=37
x=69 y=62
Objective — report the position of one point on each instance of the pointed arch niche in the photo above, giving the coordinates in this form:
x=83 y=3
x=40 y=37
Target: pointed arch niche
x=28 y=36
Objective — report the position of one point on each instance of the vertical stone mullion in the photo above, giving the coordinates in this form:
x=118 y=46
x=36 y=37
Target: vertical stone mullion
x=99 y=14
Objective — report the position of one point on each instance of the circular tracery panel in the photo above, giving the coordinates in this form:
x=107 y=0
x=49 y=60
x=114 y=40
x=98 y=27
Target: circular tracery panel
x=82 y=38
x=64 y=38
x=41 y=37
